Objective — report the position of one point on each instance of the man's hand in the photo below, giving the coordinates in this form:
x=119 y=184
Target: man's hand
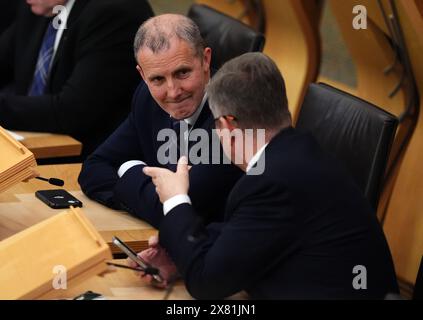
x=157 y=257
x=168 y=183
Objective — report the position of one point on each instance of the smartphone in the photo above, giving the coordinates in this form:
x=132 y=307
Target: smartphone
x=58 y=198
x=134 y=257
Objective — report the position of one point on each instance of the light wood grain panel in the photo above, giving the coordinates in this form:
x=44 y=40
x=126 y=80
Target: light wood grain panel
x=49 y=145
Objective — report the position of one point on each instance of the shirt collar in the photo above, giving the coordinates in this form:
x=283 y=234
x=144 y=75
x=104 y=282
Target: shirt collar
x=191 y=120
x=255 y=158
x=69 y=4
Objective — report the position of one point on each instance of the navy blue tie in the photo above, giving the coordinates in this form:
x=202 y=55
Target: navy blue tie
x=42 y=68
x=176 y=126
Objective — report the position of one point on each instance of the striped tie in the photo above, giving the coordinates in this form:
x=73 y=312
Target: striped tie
x=43 y=63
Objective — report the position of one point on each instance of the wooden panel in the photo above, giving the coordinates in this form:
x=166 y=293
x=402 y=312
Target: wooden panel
x=16 y=163
x=371 y=52
x=404 y=219
x=28 y=258
x=414 y=11
x=292 y=40
x=49 y=145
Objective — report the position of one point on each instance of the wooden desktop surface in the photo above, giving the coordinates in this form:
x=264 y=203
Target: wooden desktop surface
x=49 y=145
x=19 y=209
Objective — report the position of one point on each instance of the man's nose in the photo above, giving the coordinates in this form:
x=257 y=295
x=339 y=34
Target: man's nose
x=173 y=90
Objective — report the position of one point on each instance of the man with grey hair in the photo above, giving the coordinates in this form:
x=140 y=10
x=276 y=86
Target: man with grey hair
x=297 y=231
x=175 y=66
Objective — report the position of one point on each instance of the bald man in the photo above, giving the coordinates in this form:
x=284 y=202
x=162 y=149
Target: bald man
x=174 y=64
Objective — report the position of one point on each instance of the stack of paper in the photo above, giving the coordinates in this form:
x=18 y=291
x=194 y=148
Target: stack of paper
x=45 y=260
x=16 y=163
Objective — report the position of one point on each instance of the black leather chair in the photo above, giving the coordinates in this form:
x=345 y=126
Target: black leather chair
x=356 y=132
x=418 y=285
x=227 y=36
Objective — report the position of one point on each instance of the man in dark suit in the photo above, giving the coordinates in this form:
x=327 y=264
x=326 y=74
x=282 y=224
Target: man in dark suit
x=73 y=73
x=175 y=65
x=296 y=226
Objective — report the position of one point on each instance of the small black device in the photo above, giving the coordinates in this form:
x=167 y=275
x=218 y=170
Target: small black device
x=53 y=181
x=58 y=198
x=144 y=266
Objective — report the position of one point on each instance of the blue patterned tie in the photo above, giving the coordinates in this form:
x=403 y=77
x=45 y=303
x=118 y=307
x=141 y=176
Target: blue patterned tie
x=42 y=68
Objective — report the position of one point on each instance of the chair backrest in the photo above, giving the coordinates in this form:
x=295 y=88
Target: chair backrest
x=356 y=132
x=418 y=285
x=226 y=36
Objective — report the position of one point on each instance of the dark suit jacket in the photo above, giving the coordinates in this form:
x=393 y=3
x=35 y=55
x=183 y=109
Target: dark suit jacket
x=294 y=232
x=93 y=74
x=136 y=139
x=7 y=13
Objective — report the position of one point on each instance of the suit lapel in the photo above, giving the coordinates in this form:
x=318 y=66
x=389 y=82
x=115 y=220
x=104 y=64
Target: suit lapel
x=205 y=120
x=160 y=120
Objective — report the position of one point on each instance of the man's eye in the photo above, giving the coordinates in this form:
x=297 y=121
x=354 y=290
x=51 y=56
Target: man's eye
x=157 y=80
x=183 y=73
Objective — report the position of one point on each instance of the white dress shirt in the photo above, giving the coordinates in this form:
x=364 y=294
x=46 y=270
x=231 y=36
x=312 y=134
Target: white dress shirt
x=63 y=17
x=255 y=158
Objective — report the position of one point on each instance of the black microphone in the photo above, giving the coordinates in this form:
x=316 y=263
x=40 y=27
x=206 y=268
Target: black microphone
x=53 y=181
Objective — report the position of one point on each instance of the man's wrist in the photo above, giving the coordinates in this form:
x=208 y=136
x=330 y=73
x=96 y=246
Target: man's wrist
x=128 y=165
x=175 y=201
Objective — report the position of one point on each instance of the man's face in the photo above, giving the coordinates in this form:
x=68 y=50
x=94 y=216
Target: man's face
x=44 y=7
x=175 y=77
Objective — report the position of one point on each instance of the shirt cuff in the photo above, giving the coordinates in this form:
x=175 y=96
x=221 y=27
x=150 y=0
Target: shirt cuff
x=128 y=165
x=175 y=201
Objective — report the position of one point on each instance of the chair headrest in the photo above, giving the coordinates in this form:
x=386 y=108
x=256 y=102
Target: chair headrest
x=227 y=36
x=356 y=132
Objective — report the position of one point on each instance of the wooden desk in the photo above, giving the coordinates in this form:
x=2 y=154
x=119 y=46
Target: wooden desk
x=49 y=145
x=19 y=209
x=123 y=284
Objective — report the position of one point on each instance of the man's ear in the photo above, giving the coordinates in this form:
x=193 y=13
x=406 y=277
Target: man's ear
x=141 y=72
x=207 y=54
x=226 y=124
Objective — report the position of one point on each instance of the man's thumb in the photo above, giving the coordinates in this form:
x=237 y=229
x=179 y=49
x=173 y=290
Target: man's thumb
x=182 y=165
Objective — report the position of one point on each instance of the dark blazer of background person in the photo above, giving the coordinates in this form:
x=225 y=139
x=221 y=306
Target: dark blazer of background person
x=92 y=77
x=295 y=232
x=8 y=10
x=135 y=139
